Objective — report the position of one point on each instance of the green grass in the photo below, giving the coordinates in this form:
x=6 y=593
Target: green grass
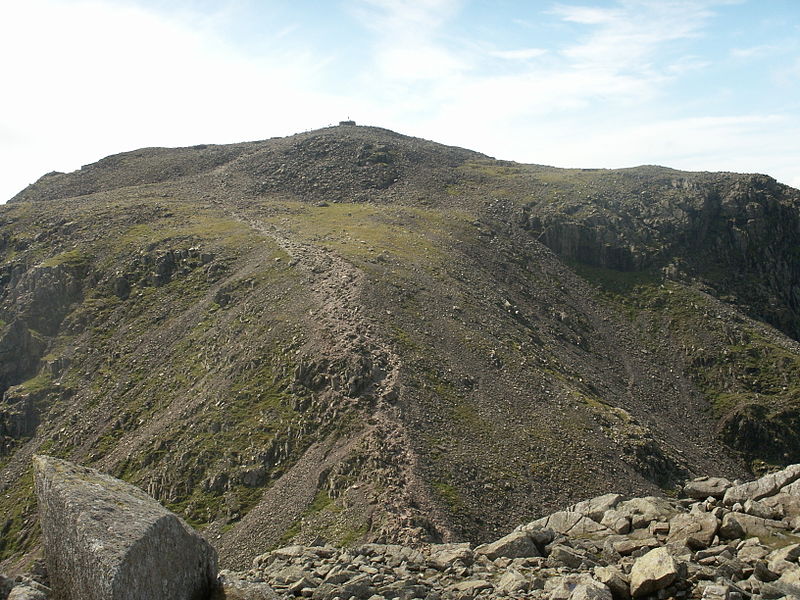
x=321 y=502
x=39 y=383
x=353 y=535
x=72 y=259
x=450 y=495
x=17 y=503
x=618 y=283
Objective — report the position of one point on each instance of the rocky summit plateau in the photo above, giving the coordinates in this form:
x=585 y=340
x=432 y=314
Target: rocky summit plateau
x=350 y=338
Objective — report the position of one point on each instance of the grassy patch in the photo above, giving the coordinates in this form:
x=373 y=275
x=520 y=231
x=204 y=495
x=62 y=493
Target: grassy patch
x=19 y=532
x=450 y=495
x=321 y=501
x=616 y=282
x=72 y=259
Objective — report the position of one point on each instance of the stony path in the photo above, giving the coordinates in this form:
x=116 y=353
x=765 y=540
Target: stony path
x=341 y=327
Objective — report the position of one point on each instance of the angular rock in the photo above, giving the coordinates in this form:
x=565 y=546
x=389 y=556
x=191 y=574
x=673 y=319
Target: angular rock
x=615 y=581
x=739 y=525
x=568 y=523
x=629 y=546
x=768 y=485
x=643 y=511
x=787 y=585
x=561 y=588
x=763 y=510
x=783 y=559
x=716 y=592
x=751 y=553
x=596 y=507
x=616 y=522
x=762 y=572
x=443 y=556
x=783 y=504
x=652 y=572
x=471 y=587
x=517 y=544
x=706 y=487
x=591 y=591
x=793 y=489
x=561 y=555
x=234 y=588
x=107 y=540
x=695 y=530
x=341 y=573
x=360 y=587
x=27 y=591
x=513 y=582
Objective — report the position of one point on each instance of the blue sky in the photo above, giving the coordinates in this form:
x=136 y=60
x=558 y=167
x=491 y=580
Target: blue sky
x=700 y=85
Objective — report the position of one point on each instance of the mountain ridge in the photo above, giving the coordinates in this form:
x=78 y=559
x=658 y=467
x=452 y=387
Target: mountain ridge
x=363 y=336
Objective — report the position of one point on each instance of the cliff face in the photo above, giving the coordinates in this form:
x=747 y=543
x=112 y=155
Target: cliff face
x=733 y=232
x=355 y=335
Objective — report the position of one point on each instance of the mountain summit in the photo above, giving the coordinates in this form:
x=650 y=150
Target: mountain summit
x=353 y=335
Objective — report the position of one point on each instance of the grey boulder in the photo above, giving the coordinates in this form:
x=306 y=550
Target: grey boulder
x=768 y=485
x=706 y=487
x=652 y=572
x=107 y=540
x=517 y=544
x=695 y=530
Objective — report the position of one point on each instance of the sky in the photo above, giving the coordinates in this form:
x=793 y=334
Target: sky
x=710 y=85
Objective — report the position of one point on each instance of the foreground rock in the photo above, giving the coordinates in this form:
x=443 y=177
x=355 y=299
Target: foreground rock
x=107 y=540
x=654 y=548
x=670 y=549
x=652 y=572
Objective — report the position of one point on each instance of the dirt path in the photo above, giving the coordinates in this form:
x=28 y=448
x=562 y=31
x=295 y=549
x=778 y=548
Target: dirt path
x=341 y=327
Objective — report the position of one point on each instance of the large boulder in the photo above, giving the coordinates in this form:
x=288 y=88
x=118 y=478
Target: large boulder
x=705 y=487
x=444 y=556
x=572 y=524
x=739 y=525
x=643 y=511
x=517 y=544
x=107 y=540
x=768 y=485
x=596 y=507
x=652 y=572
x=695 y=530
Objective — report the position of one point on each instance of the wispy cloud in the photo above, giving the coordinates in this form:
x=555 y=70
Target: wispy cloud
x=124 y=77
x=629 y=35
x=753 y=51
x=407 y=43
x=520 y=54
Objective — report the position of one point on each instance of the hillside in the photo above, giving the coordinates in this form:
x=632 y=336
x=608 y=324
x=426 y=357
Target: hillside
x=351 y=335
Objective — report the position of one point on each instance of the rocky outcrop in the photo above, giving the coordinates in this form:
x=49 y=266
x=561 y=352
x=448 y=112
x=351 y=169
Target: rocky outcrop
x=20 y=351
x=105 y=539
x=769 y=485
x=671 y=549
x=745 y=226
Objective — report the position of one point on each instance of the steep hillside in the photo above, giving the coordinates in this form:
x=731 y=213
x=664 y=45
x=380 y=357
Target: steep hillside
x=351 y=335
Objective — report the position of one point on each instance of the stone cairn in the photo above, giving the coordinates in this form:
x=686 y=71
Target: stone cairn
x=723 y=541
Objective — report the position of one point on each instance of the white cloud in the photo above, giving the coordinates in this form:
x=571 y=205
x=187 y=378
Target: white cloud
x=627 y=37
x=91 y=78
x=407 y=48
x=521 y=54
x=752 y=51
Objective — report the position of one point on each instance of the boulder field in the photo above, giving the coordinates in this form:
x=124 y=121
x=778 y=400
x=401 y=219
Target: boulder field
x=723 y=541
